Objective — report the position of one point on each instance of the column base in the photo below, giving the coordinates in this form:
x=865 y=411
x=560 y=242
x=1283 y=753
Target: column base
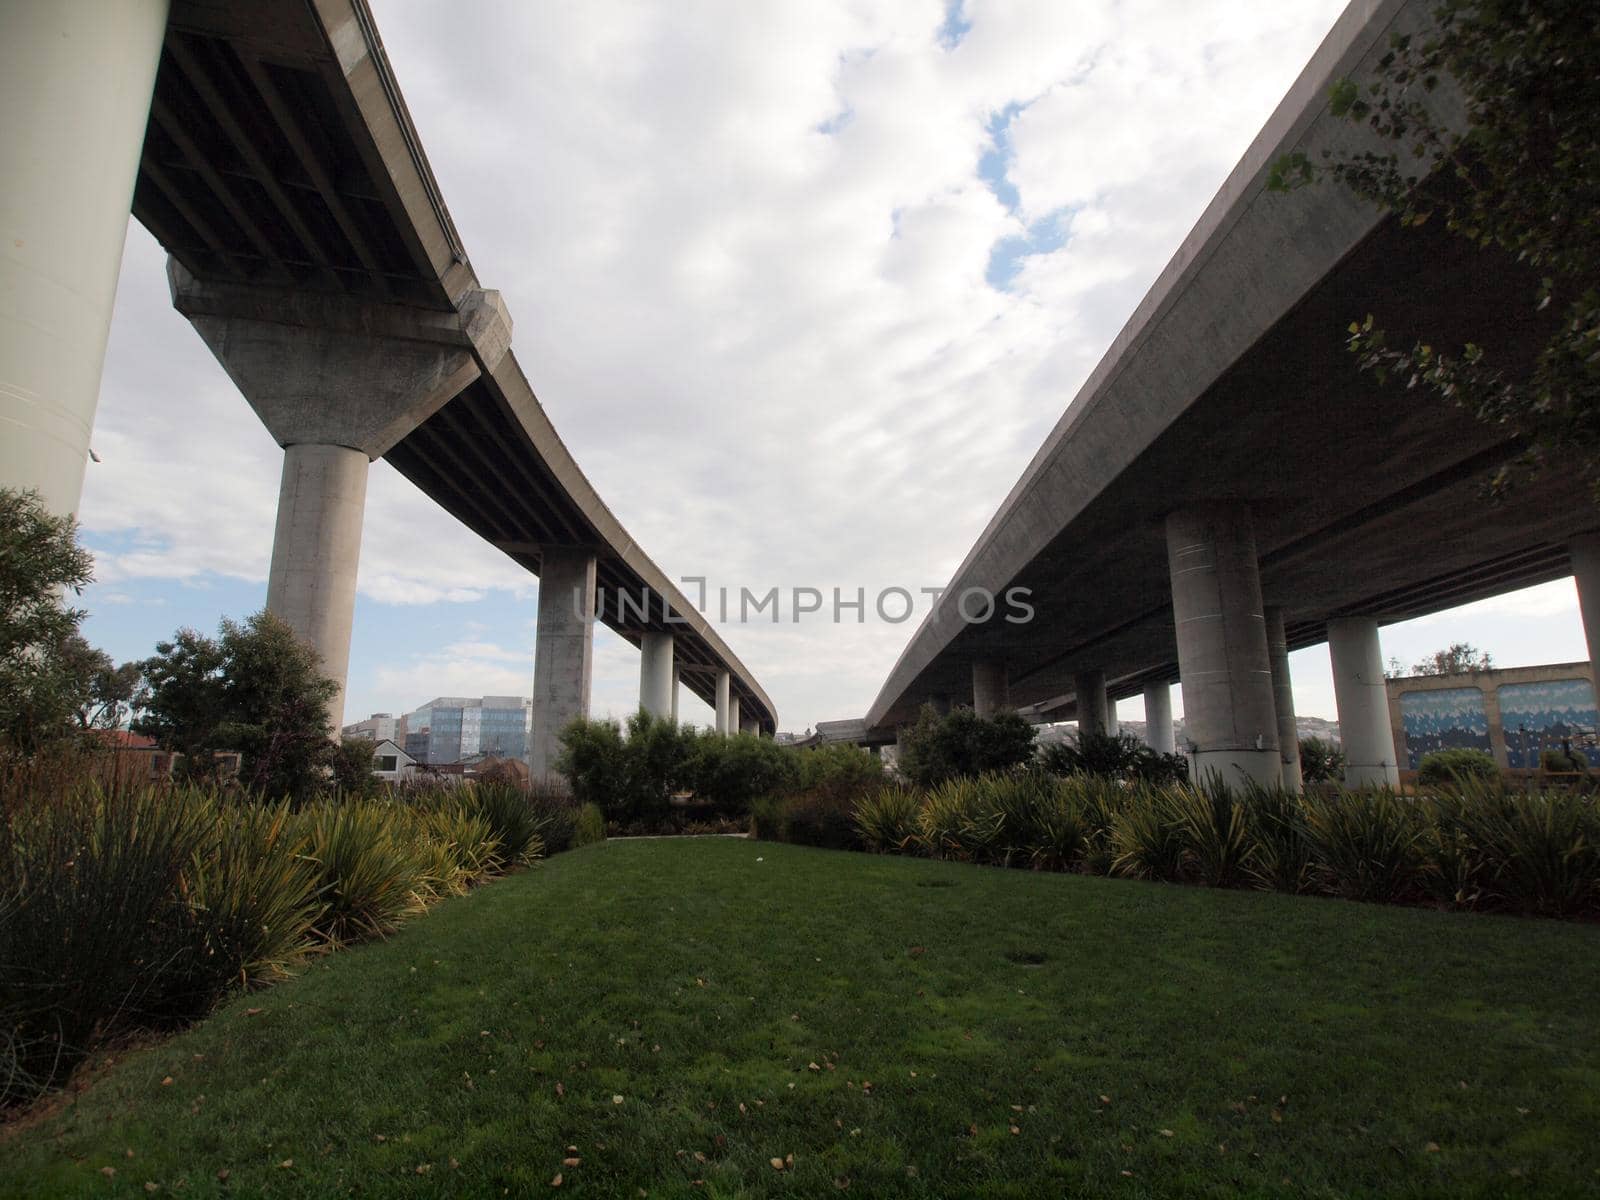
x=1236 y=768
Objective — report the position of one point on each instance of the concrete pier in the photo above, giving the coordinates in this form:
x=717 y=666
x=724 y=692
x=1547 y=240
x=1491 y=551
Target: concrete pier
x=315 y=551
x=1363 y=701
x=735 y=725
x=563 y=653
x=1283 y=699
x=1585 y=554
x=1230 y=718
x=1158 y=732
x=724 y=684
x=989 y=688
x=1093 y=714
x=656 y=674
x=76 y=78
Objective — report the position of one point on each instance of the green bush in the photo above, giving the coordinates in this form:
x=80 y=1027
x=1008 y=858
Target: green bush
x=1280 y=858
x=91 y=921
x=1564 y=762
x=812 y=819
x=962 y=743
x=959 y=821
x=589 y=826
x=1146 y=837
x=1445 y=767
x=513 y=816
x=1321 y=761
x=1367 y=843
x=1214 y=828
x=1114 y=755
x=373 y=870
x=1533 y=852
x=843 y=772
x=886 y=820
x=731 y=772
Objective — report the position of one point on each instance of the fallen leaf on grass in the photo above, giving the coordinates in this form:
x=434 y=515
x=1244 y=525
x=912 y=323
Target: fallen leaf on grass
x=812 y=1067
x=777 y=1163
x=424 y=1168
x=252 y=1012
x=167 y=1082
x=1105 y=1099
x=286 y=1164
x=560 y=1090
x=1432 y=1147
x=1167 y=1133
x=109 y=1172
x=556 y=1182
x=571 y=1162
x=616 y=1099
x=151 y=1186
x=1015 y=1130
x=222 y=1175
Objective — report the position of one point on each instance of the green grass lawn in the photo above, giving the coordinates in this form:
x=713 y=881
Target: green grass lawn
x=677 y=1014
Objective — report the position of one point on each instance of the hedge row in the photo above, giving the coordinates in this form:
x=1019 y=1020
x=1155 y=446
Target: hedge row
x=1477 y=844
x=141 y=909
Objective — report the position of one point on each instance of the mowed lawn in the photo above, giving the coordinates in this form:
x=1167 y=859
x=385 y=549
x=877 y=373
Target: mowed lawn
x=675 y=1015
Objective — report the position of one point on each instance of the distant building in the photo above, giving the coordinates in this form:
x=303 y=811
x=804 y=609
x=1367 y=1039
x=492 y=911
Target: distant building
x=376 y=728
x=449 y=729
x=391 y=763
x=1514 y=714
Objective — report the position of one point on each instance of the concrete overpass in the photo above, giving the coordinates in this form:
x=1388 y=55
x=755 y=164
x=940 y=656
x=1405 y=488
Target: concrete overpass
x=266 y=145
x=1226 y=487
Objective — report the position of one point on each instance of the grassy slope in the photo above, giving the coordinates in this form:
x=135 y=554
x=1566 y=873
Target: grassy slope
x=1193 y=1011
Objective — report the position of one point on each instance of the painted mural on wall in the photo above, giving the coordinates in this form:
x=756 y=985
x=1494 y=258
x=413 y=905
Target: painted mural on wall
x=1541 y=716
x=1445 y=719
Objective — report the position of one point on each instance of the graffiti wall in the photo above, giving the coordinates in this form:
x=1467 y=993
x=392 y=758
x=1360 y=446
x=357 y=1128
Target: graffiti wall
x=1446 y=719
x=1540 y=716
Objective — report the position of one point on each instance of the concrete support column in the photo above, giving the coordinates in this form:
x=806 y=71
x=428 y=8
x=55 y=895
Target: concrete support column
x=750 y=725
x=563 y=653
x=990 y=690
x=76 y=78
x=316 y=550
x=1113 y=723
x=1283 y=699
x=734 y=723
x=655 y=674
x=1090 y=687
x=677 y=679
x=724 y=705
x=1585 y=554
x=1228 y=710
x=1363 y=701
x=1158 y=718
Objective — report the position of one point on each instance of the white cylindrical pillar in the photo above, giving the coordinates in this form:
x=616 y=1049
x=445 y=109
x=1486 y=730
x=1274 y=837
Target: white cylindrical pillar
x=1362 y=696
x=677 y=678
x=655 y=674
x=1158 y=718
x=1283 y=699
x=734 y=724
x=1093 y=715
x=1228 y=712
x=750 y=725
x=990 y=690
x=1585 y=554
x=76 y=78
x=563 y=653
x=316 y=551
x=724 y=686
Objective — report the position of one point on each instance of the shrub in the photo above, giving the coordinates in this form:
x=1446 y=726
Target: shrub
x=818 y=820
x=842 y=772
x=1214 y=829
x=1280 y=858
x=1564 y=762
x=90 y=921
x=589 y=826
x=1146 y=838
x=1367 y=842
x=1321 y=761
x=253 y=895
x=373 y=871
x=593 y=760
x=1539 y=852
x=962 y=743
x=1446 y=767
x=473 y=851
x=512 y=817
x=886 y=820
x=730 y=772
x=1118 y=756
x=959 y=821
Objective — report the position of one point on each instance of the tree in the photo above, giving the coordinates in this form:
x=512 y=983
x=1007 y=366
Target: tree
x=1520 y=177
x=962 y=743
x=43 y=678
x=1321 y=761
x=255 y=688
x=1458 y=658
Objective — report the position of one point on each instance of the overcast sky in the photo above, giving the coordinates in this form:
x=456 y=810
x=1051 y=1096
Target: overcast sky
x=802 y=286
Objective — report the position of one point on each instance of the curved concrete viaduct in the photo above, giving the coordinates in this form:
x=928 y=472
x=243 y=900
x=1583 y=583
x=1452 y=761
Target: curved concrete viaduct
x=1226 y=487
x=311 y=249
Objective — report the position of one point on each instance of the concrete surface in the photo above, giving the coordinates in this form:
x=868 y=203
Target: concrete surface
x=563 y=653
x=1363 y=700
x=1283 y=699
